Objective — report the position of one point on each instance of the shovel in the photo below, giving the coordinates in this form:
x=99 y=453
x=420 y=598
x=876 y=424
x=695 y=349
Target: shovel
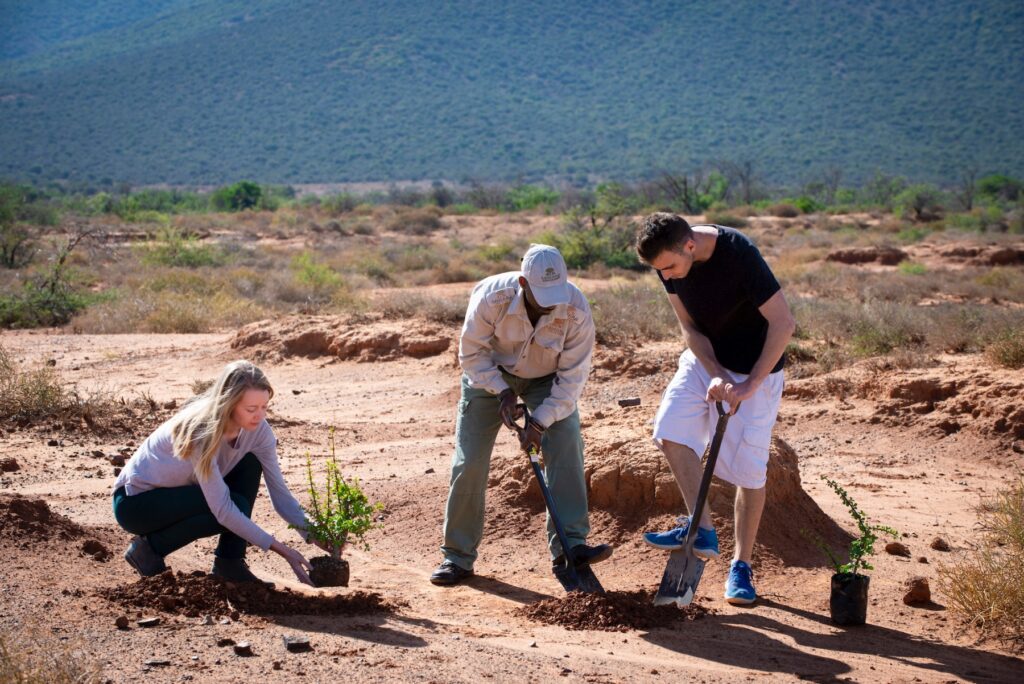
x=683 y=570
x=572 y=577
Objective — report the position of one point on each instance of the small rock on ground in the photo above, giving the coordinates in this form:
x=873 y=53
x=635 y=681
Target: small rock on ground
x=918 y=591
x=296 y=644
x=940 y=544
x=897 y=549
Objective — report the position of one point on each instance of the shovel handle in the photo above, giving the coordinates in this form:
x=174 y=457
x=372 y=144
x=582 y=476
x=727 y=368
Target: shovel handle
x=709 y=470
x=548 y=500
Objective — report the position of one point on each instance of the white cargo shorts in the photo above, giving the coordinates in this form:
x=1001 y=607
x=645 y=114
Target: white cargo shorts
x=686 y=417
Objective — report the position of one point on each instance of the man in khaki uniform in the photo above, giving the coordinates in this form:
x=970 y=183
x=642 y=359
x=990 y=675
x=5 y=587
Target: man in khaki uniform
x=528 y=336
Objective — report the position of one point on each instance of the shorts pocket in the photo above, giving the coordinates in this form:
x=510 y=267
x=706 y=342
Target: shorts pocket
x=753 y=467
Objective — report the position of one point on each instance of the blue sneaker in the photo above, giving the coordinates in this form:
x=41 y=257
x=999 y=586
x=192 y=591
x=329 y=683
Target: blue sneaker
x=739 y=587
x=705 y=546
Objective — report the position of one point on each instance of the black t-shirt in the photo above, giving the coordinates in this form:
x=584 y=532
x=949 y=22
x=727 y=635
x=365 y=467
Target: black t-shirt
x=722 y=296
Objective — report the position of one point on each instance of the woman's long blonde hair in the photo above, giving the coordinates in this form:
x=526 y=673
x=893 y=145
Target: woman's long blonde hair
x=196 y=431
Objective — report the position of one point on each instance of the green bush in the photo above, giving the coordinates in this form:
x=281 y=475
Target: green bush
x=525 y=197
x=863 y=545
x=338 y=510
x=238 y=197
x=921 y=202
x=172 y=247
x=999 y=187
x=808 y=205
x=320 y=278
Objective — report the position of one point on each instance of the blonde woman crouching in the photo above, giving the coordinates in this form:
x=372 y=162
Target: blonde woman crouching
x=198 y=475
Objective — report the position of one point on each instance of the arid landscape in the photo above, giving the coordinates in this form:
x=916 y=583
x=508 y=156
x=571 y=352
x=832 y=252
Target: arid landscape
x=905 y=385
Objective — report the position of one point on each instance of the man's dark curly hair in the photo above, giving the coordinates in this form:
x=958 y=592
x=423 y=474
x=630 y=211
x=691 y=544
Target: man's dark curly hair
x=660 y=232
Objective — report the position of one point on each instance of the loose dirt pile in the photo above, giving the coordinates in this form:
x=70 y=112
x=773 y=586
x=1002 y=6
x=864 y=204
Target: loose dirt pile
x=344 y=338
x=26 y=521
x=630 y=480
x=614 y=611
x=197 y=593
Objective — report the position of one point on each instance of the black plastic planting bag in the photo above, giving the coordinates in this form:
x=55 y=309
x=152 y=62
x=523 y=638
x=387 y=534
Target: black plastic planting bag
x=849 y=600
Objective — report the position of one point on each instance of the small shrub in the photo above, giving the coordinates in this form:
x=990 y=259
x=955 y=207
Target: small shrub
x=783 y=210
x=417 y=221
x=986 y=586
x=320 y=279
x=1007 y=349
x=28 y=395
x=724 y=219
x=172 y=247
x=338 y=510
x=634 y=311
x=30 y=656
x=912 y=268
x=863 y=545
x=403 y=306
x=808 y=205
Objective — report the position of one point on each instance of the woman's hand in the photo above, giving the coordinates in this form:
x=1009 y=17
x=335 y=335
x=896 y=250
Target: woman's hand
x=300 y=566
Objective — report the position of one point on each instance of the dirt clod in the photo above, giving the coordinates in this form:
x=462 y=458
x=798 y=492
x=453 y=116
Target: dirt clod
x=629 y=401
x=897 y=549
x=243 y=648
x=940 y=544
x=94 y=548
x=197 y=593
x=614 y=611
x=9 y=465
x=121 y=622
x=918 y=591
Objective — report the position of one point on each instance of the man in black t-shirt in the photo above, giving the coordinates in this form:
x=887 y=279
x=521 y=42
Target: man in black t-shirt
x=736 y=324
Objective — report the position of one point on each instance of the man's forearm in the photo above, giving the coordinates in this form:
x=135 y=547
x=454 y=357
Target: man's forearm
x=701 y=347
x=779 y=335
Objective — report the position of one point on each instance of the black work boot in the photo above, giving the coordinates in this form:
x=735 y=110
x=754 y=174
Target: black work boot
x=585 y=555
x=449 y=574
x=141 y=556
x=234 y=570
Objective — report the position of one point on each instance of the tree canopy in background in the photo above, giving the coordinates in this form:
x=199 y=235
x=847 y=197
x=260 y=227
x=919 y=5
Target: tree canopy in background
x=207 y=92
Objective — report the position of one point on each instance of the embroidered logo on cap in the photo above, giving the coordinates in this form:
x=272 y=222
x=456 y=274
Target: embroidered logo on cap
x=549 y=274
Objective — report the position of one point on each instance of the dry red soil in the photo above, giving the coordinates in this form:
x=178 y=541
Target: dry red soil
x=917 y=449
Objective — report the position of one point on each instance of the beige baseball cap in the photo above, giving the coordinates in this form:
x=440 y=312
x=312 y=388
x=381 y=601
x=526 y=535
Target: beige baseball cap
x=544 y=268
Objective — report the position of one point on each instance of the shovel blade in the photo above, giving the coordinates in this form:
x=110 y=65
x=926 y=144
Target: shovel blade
x=680 y=579
x=580 y=578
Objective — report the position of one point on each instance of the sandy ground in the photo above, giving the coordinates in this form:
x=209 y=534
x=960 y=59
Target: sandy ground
x=394 y=427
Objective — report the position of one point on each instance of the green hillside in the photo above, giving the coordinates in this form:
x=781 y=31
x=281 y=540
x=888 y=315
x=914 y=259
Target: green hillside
x=196 y=91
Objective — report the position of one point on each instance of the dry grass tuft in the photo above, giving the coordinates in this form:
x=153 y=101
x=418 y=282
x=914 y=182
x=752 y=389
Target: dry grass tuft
x=637 y=311
x=986 y=587
x=31 y=657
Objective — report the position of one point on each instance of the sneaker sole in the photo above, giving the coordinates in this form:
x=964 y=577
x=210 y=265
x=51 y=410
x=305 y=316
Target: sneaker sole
x=662 y=547
x=707 y=554
x=739 y=601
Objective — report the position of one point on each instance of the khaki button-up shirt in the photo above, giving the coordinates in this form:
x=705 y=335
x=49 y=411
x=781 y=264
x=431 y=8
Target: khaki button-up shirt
x=498 y=332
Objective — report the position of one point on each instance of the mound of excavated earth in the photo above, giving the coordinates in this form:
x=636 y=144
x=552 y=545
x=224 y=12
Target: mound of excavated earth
x=342 y=337
x=629 y=479
x=197 y=593
x=24 y=521
x=614 y=611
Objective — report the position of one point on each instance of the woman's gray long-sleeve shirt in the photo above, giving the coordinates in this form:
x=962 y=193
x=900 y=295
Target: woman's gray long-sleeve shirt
x=154 y=465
